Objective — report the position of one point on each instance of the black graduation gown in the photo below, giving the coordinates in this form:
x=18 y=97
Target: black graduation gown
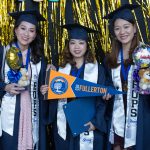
x=72 y=143
x=43 y=140
x=8 y=142
x=143 y=123
x=110 y=103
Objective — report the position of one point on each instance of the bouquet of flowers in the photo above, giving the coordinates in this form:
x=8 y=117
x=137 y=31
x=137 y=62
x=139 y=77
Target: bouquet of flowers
x=141 y=74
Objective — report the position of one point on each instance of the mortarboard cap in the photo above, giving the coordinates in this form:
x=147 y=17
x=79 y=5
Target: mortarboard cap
x=78 y=113
x=77 y=31
x=123 y=12
x=31 y=16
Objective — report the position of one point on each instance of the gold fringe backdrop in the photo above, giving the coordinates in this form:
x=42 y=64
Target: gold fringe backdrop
x=86 y=12
x=82 y=12
x=5 y=21
x=146 y=13
x=43 y=6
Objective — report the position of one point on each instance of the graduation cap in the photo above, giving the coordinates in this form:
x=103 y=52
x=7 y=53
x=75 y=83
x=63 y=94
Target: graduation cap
x=78 y=113
x=123 y=12
x=77 y=31
x=31 y=16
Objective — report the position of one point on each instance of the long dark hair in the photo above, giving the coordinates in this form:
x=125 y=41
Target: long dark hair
x=112 y=57
x=66 y=56
x=37 y=45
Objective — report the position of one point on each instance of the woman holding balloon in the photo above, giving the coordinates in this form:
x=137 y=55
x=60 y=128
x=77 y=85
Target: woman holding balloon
x=23 y=61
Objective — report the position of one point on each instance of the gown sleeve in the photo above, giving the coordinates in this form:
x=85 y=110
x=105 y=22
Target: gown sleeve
x=43 y=110
x=2 y=84
x=100 y=119
x=48 y=107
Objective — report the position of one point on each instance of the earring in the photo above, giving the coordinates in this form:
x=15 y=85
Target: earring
x=135 y=34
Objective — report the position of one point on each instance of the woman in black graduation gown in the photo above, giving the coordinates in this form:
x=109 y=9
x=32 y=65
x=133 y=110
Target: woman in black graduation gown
x=78 y=61
x=130 y=119
x=20 y=107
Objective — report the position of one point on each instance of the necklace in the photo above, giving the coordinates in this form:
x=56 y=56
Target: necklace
x=124 y=73
x=27 y=57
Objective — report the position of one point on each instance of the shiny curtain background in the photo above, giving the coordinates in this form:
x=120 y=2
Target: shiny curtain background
x=85 y=12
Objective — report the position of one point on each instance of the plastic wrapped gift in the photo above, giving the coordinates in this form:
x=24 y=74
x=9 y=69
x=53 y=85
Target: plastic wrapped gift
x=141 y=58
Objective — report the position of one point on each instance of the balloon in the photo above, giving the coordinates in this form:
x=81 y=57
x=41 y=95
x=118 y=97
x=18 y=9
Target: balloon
x=14 y=58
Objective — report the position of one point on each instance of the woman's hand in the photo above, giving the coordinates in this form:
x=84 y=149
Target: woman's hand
x=44 y=89
x=91 y=126
x=14 y=88
x=50 y=66
x=107 y=96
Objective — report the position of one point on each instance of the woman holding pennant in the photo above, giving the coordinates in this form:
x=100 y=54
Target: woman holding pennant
x=130 y=121
x=78 y=61
x=23 y=62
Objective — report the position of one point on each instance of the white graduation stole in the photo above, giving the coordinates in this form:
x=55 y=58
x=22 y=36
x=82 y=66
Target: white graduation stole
x=86 y=140
x=132 y=111
x=118 y=126
x=8 y=107
x=2 y=75
x=35 y=68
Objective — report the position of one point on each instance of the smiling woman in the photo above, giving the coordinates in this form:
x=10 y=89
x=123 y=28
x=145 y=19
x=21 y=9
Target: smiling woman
x=21 y=105
x=78 y=49
x=79 y=61
x=124 y=31
x=128 y=109
x=26 y=33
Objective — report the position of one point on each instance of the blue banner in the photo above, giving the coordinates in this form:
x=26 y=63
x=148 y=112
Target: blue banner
x=66 y=86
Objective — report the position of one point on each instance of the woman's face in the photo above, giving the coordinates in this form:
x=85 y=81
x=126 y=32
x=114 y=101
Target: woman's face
x=77 y=48
x=26 y=33
x=124 y=31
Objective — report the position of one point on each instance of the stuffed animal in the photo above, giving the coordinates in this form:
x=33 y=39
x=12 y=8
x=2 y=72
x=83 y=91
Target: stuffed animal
x=144 y=82
x=24 y=80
